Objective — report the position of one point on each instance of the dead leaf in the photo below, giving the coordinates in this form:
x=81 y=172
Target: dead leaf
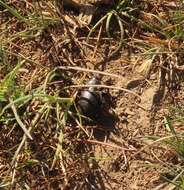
x=134 y=83
x=145 y=67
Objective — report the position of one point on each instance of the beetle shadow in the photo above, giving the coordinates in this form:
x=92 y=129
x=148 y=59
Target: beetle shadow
x=99 y=179
x=105 y=124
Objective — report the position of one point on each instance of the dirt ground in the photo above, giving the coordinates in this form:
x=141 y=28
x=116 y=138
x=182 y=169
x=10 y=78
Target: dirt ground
x=119 y=153
x=137 y=119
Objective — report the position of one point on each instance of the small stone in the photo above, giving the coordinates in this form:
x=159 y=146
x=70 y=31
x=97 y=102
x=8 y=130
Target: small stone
x=148 y=98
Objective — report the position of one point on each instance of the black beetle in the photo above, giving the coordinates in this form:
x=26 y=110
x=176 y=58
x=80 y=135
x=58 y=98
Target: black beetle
x=89 y=102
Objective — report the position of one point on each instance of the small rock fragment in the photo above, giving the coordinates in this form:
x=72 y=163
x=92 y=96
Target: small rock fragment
x=147 y=99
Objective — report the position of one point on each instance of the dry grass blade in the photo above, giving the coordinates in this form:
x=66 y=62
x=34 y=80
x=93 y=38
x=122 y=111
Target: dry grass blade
x=34 y=122
x=19 y=120
x=59 y=154
x=154 y=142
x=105 y=86
x=61 y=124
x=79 y=124
x=88 y=70
x=109 y=145
x=172 y=185
x=19 y=55
x=58 y=149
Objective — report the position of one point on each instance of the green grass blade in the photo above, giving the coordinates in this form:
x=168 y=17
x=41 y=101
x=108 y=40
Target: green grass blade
x=13 y=11
x=7 y=84
x=95 y=26
x=44 y=97
x=107 y=27
x=121 y=38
